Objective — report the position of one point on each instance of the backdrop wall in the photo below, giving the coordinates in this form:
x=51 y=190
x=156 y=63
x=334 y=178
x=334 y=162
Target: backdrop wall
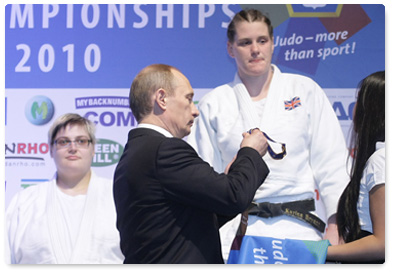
x=83 y=58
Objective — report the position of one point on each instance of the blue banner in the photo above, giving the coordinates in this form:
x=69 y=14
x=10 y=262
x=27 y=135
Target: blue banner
x=104 y=46
x=267 y=250
x=336 y=45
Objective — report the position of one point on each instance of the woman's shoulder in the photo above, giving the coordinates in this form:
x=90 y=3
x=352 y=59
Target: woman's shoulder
x=377 y=159
x=30 y=196
x=375 y=169
x=218 y=94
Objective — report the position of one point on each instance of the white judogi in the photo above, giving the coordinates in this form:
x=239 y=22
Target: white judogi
x=316 y=149
x=38 y=227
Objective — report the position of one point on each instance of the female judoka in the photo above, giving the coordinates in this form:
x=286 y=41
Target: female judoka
x=292 y=110
x=72 y=218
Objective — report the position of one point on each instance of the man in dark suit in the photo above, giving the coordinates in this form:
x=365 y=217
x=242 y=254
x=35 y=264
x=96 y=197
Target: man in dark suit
x=170 y=203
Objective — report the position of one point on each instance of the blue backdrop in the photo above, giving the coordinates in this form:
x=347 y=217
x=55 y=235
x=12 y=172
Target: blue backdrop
x=104 y=46
x=83 y=58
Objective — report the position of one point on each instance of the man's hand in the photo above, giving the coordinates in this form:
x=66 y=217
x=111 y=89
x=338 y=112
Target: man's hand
x=255 y=140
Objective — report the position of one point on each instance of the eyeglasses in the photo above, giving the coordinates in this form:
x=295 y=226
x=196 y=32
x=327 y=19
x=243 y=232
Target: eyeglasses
x=79 y=142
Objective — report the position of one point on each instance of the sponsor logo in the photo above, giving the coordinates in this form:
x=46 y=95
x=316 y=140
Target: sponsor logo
x=31 y=182
x=109 y=118
x=314 y=10
x=107 y=101
x=107 y=152
x=25 y=154
x=342 y=111
x=39 y=110
x=122 y=118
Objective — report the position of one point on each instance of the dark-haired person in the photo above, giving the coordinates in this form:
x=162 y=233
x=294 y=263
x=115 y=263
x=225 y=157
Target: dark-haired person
x=361 y=209
x=291 y=109
x=71 y=219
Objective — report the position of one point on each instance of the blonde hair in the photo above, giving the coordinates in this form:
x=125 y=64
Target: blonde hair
x=71 y=119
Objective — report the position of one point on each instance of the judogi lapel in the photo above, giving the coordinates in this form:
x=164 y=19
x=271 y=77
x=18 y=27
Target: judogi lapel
x=59 y=234
x=248 y=110
x=56 y=227
x=84 y=236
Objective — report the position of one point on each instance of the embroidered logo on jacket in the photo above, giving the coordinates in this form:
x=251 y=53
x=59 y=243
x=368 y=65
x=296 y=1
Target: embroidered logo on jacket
x=292 y=104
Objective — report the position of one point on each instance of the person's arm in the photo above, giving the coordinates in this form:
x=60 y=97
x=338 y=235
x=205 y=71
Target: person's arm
x=11 y=226
x=369 y=248
x=328 y=159
x=331 y=230
x=187 y=179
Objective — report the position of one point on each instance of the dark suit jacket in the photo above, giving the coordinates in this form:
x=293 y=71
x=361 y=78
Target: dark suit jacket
x=168 y=199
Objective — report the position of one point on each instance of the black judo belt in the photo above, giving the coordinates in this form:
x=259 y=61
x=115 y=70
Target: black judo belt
x=297 y=209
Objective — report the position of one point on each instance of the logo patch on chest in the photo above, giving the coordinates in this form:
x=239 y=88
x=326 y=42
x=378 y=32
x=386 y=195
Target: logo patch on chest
x=292 y=104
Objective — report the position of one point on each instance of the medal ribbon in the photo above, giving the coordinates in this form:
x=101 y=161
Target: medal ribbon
x=272 y=153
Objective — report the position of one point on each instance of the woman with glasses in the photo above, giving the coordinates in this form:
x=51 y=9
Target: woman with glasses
x=71 y=219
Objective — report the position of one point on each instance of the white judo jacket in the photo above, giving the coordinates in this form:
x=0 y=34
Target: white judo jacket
x=36 y=234
x=316 y=149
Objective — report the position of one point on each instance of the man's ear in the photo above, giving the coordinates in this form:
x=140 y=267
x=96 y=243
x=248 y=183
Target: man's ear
x=161 y=98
